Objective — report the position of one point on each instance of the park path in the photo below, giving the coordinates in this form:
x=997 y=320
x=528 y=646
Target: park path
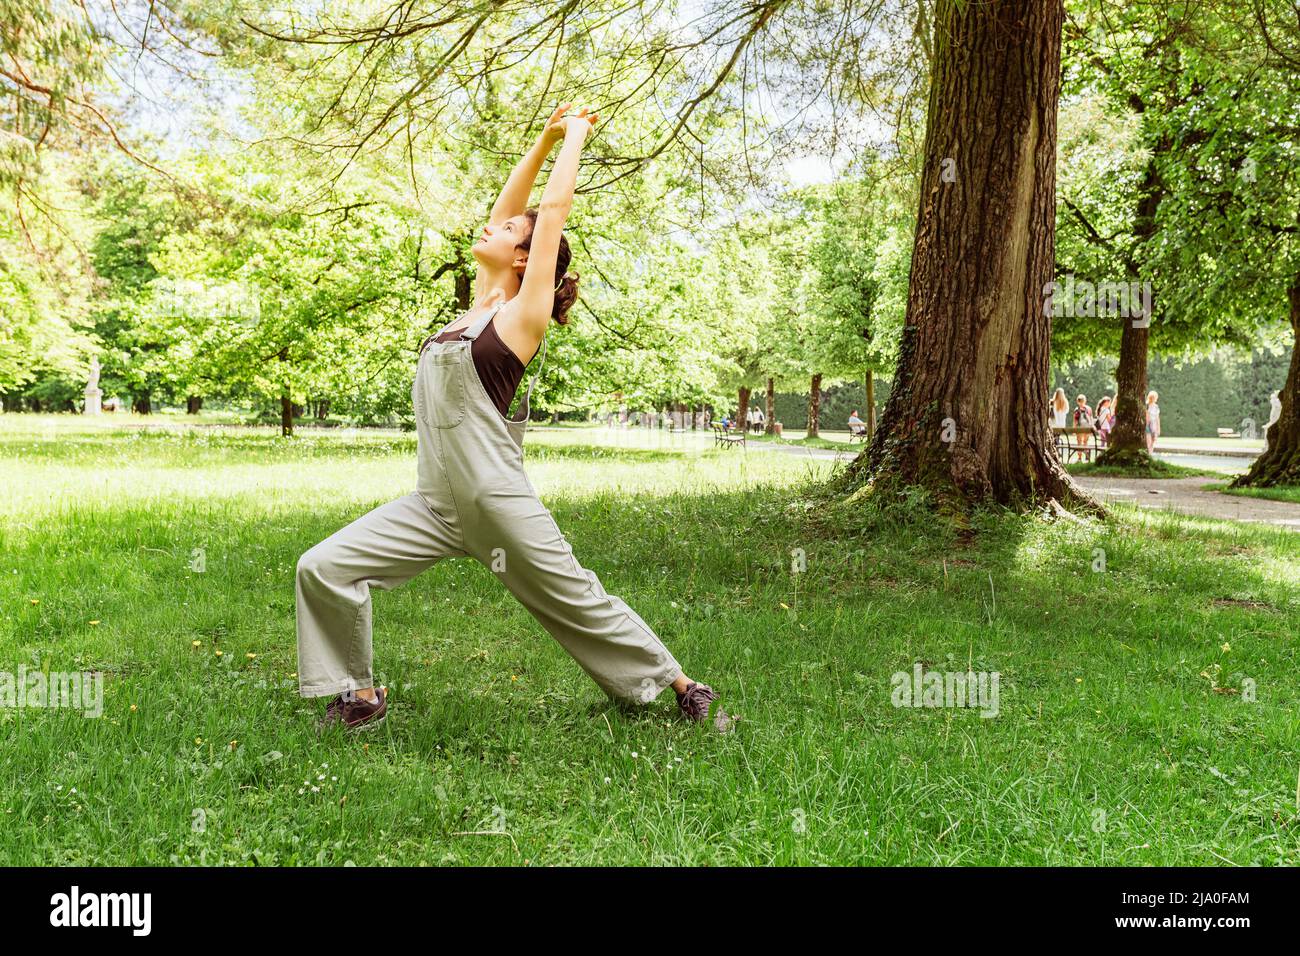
x=1187 y=496
x=1183 y=495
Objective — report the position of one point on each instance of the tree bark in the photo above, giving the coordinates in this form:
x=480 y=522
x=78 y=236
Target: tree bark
x=141 y=403
x=814 y=405
x=743 y=407
x=193 y=404
x=1280 y=463
x=770 y=411
x=1126 y=446
x=967 y=417
x=871 y=403
x=286 y=402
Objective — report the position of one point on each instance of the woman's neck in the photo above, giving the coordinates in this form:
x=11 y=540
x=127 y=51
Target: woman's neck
x=502 y=285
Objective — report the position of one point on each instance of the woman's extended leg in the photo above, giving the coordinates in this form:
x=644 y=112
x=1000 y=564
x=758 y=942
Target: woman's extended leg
x=516 y=537
x=384 y=548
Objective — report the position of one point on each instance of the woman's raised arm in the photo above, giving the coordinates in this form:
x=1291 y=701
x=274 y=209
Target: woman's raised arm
x=537 y=292
x=514 y=194
x=519 y=186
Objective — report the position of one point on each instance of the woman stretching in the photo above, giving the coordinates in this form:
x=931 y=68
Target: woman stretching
x=472 y=497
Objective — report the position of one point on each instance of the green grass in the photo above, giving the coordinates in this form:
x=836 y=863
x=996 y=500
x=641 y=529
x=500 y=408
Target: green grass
x=1157 y=469
x=1121 y=737
x=1289 y=493
x=802 y=439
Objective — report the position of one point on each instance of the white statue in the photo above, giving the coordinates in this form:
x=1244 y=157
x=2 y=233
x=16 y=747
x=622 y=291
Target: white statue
x=93 y=394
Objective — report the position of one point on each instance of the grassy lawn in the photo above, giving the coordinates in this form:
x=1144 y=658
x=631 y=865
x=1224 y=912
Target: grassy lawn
x=834 y=440
x=1157 y=469
x=1121 y=736
x=1289 y=493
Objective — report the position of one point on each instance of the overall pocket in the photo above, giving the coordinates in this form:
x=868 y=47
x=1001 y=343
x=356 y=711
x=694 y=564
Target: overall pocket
x=439 y=392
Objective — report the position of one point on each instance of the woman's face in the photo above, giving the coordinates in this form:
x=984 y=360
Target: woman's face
x=497 y=244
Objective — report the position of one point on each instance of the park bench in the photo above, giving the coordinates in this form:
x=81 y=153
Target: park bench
x=1227 y=433
x=724 y=436
x=1080 y=440
x=857 y=431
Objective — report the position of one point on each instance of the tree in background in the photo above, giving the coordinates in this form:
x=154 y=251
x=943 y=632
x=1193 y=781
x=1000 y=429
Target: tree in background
x=860 y=263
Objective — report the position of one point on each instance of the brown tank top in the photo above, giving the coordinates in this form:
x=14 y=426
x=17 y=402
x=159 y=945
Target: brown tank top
x=497 y=366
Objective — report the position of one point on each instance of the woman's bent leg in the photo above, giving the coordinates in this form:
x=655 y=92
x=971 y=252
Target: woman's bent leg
x=385 y=548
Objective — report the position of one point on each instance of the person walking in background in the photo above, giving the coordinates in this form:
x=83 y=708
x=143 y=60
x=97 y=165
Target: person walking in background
x=1083 y=416
x=1105 y=419
x=1153 y=420
x=1060 y=409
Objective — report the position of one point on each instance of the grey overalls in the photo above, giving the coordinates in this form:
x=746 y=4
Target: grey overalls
x=472 y=499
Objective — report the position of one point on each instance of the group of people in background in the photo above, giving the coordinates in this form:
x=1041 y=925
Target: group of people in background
x=1103 y=419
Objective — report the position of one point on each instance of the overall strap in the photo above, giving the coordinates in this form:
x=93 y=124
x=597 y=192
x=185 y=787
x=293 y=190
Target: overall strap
x=425 y=344
x=478 y=326
x=471 y=333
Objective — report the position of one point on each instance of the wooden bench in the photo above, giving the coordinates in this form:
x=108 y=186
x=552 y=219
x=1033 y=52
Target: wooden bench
x=1227 y=433
x=724 y=436
x=857 y=431
x=1081 y=440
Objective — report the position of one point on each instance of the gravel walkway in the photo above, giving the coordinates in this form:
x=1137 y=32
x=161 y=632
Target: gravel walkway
x=1186 y=495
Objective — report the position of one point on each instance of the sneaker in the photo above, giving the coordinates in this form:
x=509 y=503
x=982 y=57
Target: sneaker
x=354 y=712
x=694 y=704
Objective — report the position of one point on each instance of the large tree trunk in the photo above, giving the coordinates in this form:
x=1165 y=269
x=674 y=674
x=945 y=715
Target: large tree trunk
x=1280 y=463
x=744 y=407
x=1126 y=446
x=142 y=404
x=193 y=404
x=770 y=411
x=814 y=405
x=967 y=416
